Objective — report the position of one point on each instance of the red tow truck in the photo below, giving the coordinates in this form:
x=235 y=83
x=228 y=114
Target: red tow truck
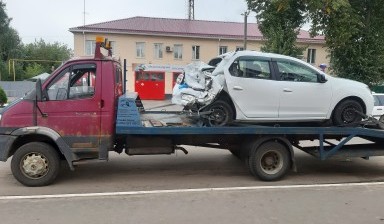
x=81 y=112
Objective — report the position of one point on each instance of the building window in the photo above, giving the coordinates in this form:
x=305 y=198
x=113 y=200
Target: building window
x=239 y=48
x=90 y=46
x=140 y=49
x=178 y=51
x=223 y=49
x=158 y=48
x=311 y=56
x=195 y=52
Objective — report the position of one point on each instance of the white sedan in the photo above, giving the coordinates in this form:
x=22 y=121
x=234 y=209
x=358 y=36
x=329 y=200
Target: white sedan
x=250 y=86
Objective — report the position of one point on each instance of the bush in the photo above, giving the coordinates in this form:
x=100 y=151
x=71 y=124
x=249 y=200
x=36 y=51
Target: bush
x=3 y=97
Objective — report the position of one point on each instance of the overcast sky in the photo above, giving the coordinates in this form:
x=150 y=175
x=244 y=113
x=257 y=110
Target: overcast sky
x=51 y=19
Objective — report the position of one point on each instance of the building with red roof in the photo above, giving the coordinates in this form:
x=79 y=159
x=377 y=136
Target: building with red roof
x=165 y=45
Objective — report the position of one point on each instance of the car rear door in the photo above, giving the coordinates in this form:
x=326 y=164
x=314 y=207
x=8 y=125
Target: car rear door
x=252 y=88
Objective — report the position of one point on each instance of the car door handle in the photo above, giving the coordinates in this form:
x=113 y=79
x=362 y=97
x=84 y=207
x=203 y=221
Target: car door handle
x=379 y=109
x=238 y=88
x=287 y=90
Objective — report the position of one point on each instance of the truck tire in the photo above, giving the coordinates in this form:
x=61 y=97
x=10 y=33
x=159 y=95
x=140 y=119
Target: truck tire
x=270 y=161
x=345 y=112
x=35 y=164
x=222 y=114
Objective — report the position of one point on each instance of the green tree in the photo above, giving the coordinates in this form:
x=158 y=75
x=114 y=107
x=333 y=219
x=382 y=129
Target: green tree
x=10 y=43
x=44 y=56
x=33 y=69
x=280 y=23
x=353 y=32
x=354 y=36
x=3 y=97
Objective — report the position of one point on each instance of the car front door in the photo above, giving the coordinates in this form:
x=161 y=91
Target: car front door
x=302 y=95
x=252 y=88
x=72 y=106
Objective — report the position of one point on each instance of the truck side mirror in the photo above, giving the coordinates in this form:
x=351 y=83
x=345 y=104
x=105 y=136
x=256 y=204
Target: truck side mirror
x=39 y=90
x=321 y=78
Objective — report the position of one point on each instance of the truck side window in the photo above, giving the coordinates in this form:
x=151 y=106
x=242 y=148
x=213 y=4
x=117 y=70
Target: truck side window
x=82 y=84
x=78 y=82
x=57 y=90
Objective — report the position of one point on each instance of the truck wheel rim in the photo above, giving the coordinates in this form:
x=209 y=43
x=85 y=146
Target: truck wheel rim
x=271 y=162
x=34 y=165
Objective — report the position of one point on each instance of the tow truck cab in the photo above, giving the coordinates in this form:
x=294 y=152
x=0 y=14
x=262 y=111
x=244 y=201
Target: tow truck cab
x=74 y=109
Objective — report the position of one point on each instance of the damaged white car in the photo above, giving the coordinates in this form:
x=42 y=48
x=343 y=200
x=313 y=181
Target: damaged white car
x=250 y=86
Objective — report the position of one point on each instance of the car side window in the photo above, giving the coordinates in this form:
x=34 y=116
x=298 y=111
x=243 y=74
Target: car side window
x=295 y=72
x=250 y=68
x=76 y=82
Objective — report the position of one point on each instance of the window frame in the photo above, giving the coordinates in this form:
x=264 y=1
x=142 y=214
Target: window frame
x=140 y=49
x=90 y=46
x=158 y=51
x=311 y=55
x=195 y=52
x=178 y=52
x=223 y=50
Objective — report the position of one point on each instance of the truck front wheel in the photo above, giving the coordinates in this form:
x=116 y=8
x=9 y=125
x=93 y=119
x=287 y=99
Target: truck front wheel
x=270 y=161
x=35 y=164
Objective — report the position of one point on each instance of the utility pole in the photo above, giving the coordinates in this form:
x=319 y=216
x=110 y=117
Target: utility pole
x=246 y=13
x=191 y=10
x=83 y=29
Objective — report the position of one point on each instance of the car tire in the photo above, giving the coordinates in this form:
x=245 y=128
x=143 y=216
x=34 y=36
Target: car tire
x=344 y=112
x=222 y=114
x=381 y=122
x=35 y=164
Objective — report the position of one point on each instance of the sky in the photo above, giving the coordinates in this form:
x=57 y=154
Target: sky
x=51 y=19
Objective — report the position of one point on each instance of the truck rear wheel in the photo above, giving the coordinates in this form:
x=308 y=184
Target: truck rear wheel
x=270 y=161
x=35 y=164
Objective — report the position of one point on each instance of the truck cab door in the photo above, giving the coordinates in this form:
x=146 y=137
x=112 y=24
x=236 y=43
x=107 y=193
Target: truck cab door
x=71 y=107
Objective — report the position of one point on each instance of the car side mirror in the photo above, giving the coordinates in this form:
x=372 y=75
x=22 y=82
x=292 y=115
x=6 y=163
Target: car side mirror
x=39 y=91
x=321 y=78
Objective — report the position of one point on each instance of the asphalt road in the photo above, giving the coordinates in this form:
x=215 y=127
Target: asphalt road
x=152 y=189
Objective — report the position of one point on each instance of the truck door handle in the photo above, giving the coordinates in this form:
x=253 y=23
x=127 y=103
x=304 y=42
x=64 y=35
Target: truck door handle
x=287 y=90
x=101 y=104
x=238 y=88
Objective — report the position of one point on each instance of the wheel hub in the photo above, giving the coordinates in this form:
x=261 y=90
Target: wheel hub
x=271 y=162
x=34 y=165
x=349 y=114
